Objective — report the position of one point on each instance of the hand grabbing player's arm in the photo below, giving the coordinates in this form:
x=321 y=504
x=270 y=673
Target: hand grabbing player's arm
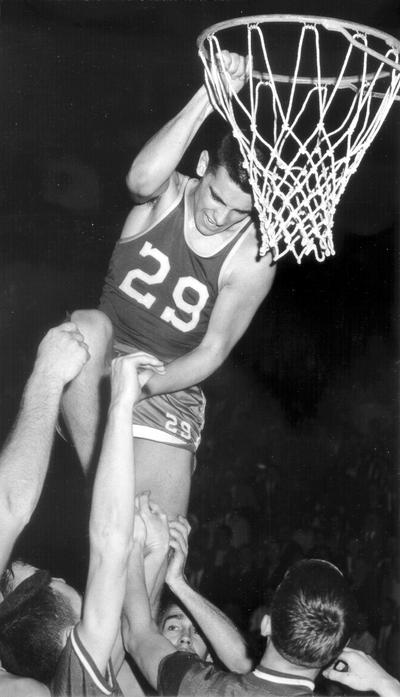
x=25 y=457
x=112 y=513
x=222 y=635
x=153 y=167
x=363 y=673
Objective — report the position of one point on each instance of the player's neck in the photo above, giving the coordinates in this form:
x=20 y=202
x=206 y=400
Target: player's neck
x=272 y=660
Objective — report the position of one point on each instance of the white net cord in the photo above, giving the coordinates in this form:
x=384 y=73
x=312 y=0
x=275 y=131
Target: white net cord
x=299 y=170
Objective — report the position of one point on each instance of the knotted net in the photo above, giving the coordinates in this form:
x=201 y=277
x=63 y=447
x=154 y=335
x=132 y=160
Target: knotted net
x=301 y=134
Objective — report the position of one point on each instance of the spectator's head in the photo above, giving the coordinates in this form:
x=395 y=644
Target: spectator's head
x=312 y=615
x=179 y=628
x=36 y=616
x=304 y=537
x=361 y=625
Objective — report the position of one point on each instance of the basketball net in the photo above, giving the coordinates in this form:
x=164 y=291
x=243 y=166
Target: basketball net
x=299 y=171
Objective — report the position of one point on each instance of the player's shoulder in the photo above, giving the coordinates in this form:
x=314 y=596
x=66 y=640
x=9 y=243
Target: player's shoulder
x=144 y=215
x=174 y=186
x=246 y=262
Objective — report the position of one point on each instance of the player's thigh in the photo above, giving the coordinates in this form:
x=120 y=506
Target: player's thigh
x=166 y=471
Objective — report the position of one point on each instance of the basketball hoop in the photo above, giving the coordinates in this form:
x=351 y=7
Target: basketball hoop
x=305 y=118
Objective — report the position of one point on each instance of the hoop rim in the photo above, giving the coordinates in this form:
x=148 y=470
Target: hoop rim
x=329 y=23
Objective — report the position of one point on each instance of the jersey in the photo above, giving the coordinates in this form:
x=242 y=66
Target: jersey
x=185 y=674
x=159 y=293
x=78 y=676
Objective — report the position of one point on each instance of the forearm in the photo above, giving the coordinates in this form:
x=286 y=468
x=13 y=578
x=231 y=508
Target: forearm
x=25 y=457
x=161 y=155
x=112 y=508
x=221 y=633
x=188 y=370
x=155 y=565
x=136 y=610
x=388 y=687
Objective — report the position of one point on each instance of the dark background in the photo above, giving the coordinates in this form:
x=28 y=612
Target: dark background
x=83 y=85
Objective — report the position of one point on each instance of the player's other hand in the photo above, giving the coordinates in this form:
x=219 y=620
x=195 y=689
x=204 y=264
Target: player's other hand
x=155 y=520
x=179 y=530
x=125 y=384
x=62 y=353
x=234 y=70
x=360 y=672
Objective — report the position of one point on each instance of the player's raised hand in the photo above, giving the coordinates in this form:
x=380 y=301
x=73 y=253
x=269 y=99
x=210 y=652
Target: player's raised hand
x=62 y=353
x=156 y=523
x=234 y=69
x=125 y=384
x=179 y=530
x=361 y=672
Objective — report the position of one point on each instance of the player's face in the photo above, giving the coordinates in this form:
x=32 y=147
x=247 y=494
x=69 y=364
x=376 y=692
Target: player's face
x=219 y=204
x=21 y=571
x=182 y=633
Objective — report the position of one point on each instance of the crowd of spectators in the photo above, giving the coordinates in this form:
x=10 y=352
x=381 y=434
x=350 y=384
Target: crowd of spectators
x=252 y=519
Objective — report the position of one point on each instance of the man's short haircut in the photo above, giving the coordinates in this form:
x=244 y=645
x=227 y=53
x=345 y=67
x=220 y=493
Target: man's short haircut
x=312 y=614
x=33 y=619
x=226 y=153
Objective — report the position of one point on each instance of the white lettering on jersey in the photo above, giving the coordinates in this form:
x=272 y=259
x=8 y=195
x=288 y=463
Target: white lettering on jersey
x=159 y=276
x=183 y=284
x=194 y=310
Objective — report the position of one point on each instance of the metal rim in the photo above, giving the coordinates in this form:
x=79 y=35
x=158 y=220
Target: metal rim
x=329 y=23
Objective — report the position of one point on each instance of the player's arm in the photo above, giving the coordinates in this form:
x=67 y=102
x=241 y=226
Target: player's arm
x=152 y=169
x=25 y=457
x=141 y=635
x=156 y=548
x=221 y=634
x=112 y=512
x=361 y=672
x=235 y=307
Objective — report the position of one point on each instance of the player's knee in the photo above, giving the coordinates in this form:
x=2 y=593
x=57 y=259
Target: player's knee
x=95 y=327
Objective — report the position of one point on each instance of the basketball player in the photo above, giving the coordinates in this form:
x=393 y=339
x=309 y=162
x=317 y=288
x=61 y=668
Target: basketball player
x=183 y=284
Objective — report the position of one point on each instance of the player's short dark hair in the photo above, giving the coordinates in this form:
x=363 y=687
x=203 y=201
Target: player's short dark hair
x=33 y=618
x=226 y=153
x=312 y=614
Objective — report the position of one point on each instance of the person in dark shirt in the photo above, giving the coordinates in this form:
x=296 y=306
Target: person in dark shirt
x=311 y=620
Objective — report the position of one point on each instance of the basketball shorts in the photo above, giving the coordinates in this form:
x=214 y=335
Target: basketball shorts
x=175 y=418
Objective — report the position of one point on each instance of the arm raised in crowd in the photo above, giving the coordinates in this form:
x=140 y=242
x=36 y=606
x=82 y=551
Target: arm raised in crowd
x=25 y=457
x=112 y=513
x=141 y=636
x=361 y=672
x=222 y=635
x=156 y=548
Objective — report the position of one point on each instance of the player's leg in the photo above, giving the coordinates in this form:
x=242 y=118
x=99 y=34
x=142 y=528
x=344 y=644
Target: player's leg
x=166 y=471
x=85 y=400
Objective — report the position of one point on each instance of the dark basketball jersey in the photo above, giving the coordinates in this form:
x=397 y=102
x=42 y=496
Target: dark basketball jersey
x=158 y=293
x=185 y=674
x=78 y=676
